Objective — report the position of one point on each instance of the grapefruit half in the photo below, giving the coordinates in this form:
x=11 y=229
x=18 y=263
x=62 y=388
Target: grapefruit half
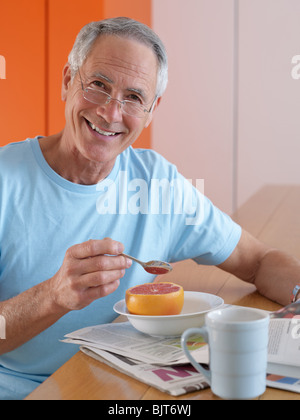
x=155 y=299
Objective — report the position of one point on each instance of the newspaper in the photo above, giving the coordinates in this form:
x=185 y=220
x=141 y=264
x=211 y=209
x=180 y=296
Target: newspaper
x=175 y=380
x=284 y=349
x=161 y=363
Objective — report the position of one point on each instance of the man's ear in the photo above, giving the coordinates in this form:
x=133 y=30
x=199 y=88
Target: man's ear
x=157 y=102
x=66 y=82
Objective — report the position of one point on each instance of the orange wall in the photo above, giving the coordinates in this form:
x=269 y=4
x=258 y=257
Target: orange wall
x=36 y=37
x=22 y=93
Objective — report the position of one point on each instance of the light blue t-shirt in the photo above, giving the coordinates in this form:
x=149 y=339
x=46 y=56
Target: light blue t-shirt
x=144 y=203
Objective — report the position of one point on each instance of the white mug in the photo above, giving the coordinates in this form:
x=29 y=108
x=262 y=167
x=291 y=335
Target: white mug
x=238 y=351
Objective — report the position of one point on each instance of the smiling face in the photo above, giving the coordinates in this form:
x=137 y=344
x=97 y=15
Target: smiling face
x=126 y=70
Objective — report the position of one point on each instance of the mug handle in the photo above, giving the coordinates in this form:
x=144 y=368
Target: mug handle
x=185 y=336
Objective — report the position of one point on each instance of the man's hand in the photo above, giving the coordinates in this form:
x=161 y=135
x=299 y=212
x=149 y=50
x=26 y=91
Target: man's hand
x=90 y=270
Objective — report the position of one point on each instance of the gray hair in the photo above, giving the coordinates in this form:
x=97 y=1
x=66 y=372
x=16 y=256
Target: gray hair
x=124 y=27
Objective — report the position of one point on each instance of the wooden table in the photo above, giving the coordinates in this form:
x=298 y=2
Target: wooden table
x=273 y=215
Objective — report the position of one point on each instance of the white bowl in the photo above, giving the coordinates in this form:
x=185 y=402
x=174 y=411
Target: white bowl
x=196 y=305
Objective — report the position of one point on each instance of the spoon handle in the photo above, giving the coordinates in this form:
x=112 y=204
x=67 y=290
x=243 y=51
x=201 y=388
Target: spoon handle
x=134 y=259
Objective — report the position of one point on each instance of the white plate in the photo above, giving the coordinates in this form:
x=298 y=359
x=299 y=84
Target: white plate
x=196 y=305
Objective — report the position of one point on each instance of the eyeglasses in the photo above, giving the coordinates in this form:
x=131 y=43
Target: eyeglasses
x=99 y=97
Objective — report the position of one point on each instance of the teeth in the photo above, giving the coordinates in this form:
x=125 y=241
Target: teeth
x=104 y=133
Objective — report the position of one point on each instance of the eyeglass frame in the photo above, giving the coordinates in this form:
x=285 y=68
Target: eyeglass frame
x=110 y=98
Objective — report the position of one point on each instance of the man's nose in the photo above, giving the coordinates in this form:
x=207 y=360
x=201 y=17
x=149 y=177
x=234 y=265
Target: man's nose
x=111 y=111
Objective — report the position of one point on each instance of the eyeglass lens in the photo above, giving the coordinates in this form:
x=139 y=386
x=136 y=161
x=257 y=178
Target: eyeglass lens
x=102 y=98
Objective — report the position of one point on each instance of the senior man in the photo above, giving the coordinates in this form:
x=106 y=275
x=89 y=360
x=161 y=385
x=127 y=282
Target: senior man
x=62 y=233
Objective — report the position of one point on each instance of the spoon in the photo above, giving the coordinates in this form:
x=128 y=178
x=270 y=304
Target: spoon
x=153 y=267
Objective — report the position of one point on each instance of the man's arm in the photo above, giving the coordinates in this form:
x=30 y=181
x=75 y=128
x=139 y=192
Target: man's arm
x=90 y=271
x=27 y=315
x=274 y=273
